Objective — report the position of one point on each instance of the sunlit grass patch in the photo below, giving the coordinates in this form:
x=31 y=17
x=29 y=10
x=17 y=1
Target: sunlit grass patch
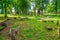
x=36 y=30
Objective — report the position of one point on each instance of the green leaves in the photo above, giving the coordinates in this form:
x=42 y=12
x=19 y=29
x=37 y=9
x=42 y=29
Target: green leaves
x=21 y=5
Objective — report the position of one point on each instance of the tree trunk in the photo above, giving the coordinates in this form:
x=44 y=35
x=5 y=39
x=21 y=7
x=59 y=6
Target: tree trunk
x=5 y=11
x=38 y=12
x=42 y=6
x=2 y=9
x=56 y=7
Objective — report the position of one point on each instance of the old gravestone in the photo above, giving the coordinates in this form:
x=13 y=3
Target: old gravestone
x=59 y=32
x=44 y=21
x=57 y=22
x=50 y=21
x=13 y=32
x=4 y=23
x=48 y=28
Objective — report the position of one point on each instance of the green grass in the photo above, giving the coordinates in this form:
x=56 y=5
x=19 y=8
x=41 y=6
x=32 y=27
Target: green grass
x=1 y=27
x=1 y=38
x=33 y=17
x=34 y=29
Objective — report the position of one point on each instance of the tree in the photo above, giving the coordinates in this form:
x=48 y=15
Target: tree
x=21 y=6
x=54 y=2
x=5 y=4
x=41 y=5
x=53 y=6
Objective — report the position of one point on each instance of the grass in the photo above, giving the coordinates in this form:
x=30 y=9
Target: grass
x=1 y=38
x=1 y=27
x=33 y=17
x=34 y=29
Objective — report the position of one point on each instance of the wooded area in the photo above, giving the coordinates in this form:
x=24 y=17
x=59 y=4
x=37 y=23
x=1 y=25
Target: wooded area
x=28 y=7
x=29 y=19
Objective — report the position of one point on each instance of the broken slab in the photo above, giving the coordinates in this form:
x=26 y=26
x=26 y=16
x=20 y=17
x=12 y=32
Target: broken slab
x=48 y=28
x=59 y=32
x=57 y=22
x=4 y=23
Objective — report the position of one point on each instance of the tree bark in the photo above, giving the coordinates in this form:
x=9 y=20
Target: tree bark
x=38 y=12
x=5 y=10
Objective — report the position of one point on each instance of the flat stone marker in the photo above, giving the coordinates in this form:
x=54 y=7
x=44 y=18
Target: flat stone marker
x=13 y=32
x=44 y=21
x=57 y=22
x=5 y=23
x=59 y=32
x=49 y=28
